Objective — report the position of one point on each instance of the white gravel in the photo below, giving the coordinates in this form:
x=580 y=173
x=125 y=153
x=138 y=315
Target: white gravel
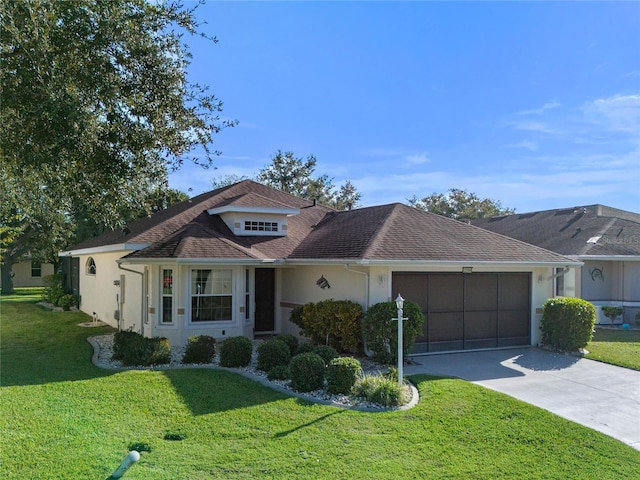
x=103 y=351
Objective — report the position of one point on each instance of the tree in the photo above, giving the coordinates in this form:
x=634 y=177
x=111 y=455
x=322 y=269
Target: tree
x=294 y=175
x=95 y=109
x=460 y=205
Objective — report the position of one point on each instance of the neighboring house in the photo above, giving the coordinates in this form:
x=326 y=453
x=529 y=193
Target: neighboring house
x=29 y=273
x=237 y=260
x=606 y=239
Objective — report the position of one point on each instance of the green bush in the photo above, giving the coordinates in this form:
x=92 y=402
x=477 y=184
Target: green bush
x=381 y=332
x=612 y=312
x=307 y=372
x=305 y=348
x=200 y=349
x=567 y=323
x=132 y=349
x=67 y=301
x=53 y=290
x=333 y=322
x=272 y=353
x=342 y=374
x=381 y=390
x=291 y=341
x=279 y=372
x=326 y=352
x=235 y=352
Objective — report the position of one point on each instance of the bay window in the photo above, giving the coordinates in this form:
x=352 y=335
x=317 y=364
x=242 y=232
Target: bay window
x=211 y=295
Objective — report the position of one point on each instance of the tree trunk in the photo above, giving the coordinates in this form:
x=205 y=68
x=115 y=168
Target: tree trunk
x=7 y=277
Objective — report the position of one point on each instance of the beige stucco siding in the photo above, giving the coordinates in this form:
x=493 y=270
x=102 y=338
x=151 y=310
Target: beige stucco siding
x=99 y=295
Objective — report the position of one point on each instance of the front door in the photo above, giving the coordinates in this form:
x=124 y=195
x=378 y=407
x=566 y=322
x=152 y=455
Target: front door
x=265 y=288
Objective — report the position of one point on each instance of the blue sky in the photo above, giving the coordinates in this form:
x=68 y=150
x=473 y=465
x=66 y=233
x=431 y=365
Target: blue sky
x=533 y=104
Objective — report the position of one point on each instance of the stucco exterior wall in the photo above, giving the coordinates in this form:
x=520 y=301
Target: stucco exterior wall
x=99 y=295
x=22 y=274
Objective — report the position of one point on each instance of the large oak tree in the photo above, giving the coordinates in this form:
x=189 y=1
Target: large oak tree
x=95 y=109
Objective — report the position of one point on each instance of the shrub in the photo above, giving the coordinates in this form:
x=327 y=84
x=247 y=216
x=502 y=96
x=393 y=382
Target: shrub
x=612 y=312
x=333 y=322
x=307 y=372
x=326 y=352
x=133 y=349
x=53 y=290
x=567 y=323
x=236 y=352
x=342 y=374
x=381 y=332
x=272 y=353
x=291 y=341
x=381 y=390
x=200 y=349
x=67 y=301
x=279 y=372
x=305 y=348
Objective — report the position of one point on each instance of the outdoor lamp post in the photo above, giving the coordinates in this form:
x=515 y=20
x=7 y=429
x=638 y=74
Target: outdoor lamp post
x=400 y=305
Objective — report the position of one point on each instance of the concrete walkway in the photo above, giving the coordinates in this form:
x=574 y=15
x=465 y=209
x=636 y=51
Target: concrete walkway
x=594 y=394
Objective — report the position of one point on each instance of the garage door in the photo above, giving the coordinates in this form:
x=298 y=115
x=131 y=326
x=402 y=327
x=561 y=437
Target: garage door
x=469 y=311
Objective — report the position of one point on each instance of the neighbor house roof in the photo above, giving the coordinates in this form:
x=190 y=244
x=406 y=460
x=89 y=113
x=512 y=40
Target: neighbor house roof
x=387 y=233
x=592 y=230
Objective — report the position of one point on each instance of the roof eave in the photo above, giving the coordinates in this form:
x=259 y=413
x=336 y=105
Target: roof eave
x=116 y=247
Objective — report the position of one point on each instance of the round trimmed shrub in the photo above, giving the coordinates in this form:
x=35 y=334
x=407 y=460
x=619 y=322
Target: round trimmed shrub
x=342 y=374
x=272 y=353
x=305 y=348
x=326 y=352
x=236 y=352
x=567 y=323
x=279 y=372
x=124 y=341
x=307 y=372
x=200 y=349
x=67 y=301
x=291 y=341
x=381 y=332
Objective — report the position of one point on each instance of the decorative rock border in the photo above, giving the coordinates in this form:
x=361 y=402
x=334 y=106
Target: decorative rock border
x=321 y=397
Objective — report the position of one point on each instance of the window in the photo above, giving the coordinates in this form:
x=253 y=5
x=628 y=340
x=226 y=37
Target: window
x=211 y=297
x=167 y=296
x=261 y=226
x=36 y=269
x=560 y=282
x=91 y=266
x=247 y=299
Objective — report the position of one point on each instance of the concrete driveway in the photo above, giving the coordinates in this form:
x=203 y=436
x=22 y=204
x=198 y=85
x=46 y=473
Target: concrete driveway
x=594 y=394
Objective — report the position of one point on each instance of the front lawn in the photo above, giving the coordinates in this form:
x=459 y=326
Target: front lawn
x=616 y=346
x=62 y=418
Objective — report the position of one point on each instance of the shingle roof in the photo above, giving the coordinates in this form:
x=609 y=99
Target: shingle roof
x=579 y=231
x=394 y=232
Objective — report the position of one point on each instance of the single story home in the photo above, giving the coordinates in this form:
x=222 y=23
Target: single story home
x=236 y=261
x=29 y=273
x=606 y=240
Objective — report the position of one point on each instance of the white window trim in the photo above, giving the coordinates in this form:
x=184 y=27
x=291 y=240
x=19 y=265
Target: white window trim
x=190 y=323
x=163 y=295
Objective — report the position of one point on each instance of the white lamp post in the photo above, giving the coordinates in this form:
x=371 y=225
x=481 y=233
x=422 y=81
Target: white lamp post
x=400 y=305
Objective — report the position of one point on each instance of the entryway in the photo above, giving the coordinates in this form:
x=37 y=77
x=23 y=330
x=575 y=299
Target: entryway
x=265 y=296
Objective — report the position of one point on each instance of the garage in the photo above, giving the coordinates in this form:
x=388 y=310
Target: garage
x=469 y=311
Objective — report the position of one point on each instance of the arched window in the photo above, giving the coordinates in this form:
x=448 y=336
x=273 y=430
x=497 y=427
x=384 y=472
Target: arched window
x=91 y=266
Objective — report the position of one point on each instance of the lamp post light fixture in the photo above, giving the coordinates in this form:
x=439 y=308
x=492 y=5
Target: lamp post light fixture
x=400 y=305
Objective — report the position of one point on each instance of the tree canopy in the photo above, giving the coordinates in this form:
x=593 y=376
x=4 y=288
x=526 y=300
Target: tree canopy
x=294 y=175
x=96 y=109
x=460 y=205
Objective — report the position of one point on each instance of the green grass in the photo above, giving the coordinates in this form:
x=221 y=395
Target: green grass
x=618 y=347
x=62 y=418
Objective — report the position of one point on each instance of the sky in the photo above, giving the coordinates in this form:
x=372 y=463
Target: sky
x=535 y=105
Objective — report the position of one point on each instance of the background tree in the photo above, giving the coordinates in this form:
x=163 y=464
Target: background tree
x=295 y=176
x=95 y=108
x=460 y=204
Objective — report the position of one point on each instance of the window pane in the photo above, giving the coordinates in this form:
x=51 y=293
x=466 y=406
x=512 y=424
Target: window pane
x=167 y=282
x=210 y=309
x=167 y=309
x=210 y=282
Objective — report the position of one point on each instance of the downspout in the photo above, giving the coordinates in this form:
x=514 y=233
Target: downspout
x=366 y=286
x=142 y=299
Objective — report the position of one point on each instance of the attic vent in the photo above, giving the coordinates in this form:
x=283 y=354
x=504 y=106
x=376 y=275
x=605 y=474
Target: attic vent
x=250 y=226
x=594 y=239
